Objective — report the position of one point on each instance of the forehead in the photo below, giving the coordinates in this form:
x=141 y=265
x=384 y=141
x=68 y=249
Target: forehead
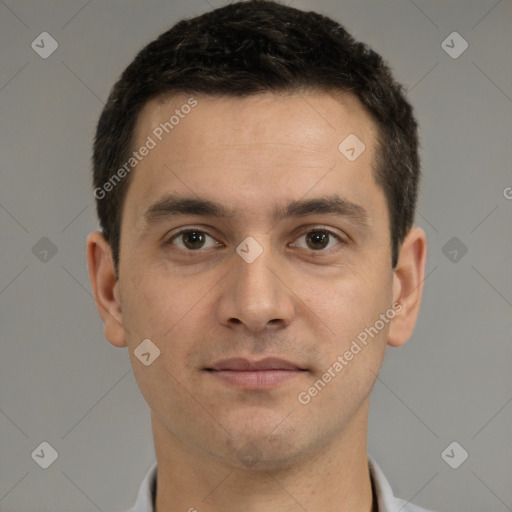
x=310 y=120
x=252 y=150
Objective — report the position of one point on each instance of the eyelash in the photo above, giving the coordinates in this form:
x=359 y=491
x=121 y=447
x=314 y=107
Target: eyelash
x=310 y=230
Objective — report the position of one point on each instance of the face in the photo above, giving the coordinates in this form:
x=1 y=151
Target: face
x=247 y=233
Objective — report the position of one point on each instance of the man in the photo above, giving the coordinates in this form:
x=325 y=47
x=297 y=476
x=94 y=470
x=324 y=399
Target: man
x=256 y=173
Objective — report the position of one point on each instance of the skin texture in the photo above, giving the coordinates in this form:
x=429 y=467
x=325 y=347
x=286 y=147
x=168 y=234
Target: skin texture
x=299 y=303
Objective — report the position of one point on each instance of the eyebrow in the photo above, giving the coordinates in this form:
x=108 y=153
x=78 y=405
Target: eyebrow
x=172 y=206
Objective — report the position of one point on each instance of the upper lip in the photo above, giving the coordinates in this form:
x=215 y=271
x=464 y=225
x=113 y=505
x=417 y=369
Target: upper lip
x=241 y=364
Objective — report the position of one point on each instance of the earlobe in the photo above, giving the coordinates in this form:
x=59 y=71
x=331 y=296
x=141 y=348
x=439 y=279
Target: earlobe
x=105 y=287
x=408 y=286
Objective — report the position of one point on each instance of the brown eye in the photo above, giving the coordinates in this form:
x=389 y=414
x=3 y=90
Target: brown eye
x=192 y=240
x=317 y=239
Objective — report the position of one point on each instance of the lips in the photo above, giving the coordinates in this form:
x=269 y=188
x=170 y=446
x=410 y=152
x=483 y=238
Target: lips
x=239 y=364
x=265 y=374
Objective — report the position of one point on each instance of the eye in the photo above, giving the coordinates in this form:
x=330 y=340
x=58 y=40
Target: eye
x=318 y=239
x=192 y=240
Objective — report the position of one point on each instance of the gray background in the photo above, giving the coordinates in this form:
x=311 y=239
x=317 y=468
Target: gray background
x=62 y=382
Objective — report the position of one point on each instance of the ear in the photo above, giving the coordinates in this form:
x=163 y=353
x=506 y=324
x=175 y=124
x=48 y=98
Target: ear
x=408 y=286
x=105 y=288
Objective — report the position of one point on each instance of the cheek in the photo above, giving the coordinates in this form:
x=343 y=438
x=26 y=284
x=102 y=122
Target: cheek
x=348 y=304
x=175 y=317
x=352 y=352
x=162 y=391
x=154 y=307
x=350 y=307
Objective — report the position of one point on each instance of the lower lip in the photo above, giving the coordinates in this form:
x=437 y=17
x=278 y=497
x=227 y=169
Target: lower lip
x=261 y=379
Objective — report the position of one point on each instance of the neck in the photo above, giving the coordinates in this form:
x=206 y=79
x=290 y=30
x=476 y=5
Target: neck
x=331 y=478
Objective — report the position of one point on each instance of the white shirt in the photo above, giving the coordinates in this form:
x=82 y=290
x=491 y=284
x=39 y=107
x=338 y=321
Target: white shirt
x=386 y=501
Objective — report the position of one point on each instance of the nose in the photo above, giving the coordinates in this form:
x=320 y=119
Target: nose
x=256 y=295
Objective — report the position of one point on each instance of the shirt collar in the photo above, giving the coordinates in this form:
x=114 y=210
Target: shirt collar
x=386 y=501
